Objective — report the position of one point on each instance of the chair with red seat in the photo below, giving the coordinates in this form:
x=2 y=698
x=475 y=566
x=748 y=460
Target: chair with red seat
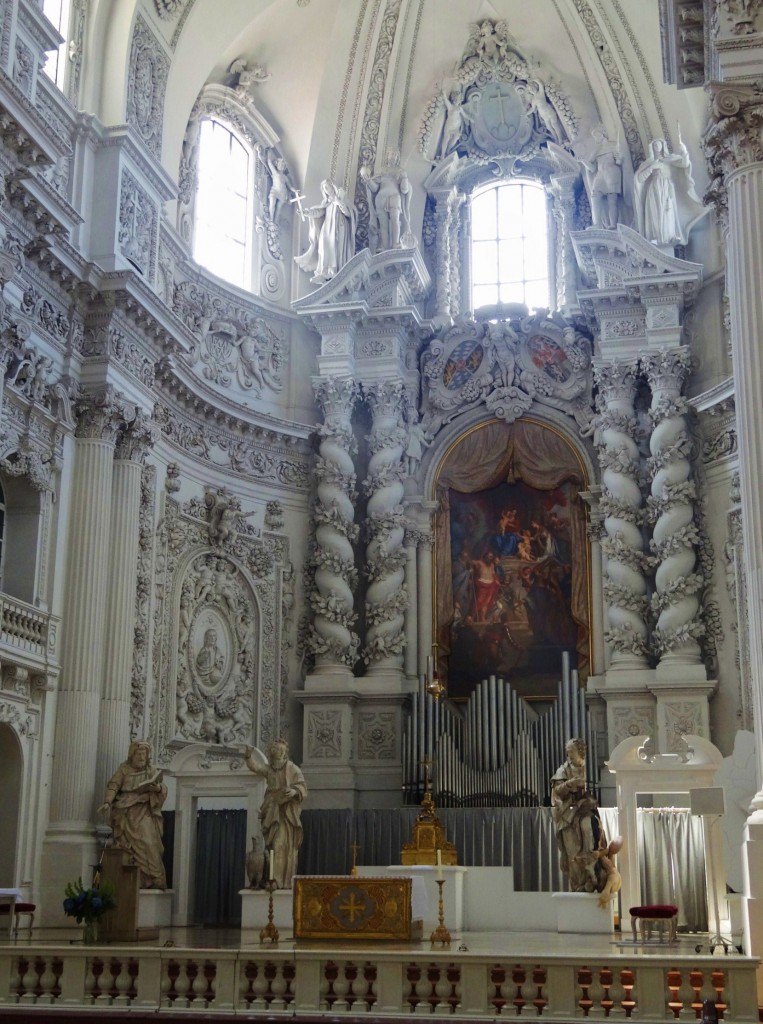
x=19 y=908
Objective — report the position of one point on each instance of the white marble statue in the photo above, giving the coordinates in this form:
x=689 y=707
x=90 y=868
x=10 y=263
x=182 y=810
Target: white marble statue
x=453 y=128
x=664 y=195
x=389 y=198
x=280 y=813
x=279 y=183
x=331 y=239
x=604 y=180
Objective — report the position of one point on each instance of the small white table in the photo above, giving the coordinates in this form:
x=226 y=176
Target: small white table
x=10 y=896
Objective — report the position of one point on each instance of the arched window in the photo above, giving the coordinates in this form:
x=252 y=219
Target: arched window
x=223 y=217
x=57 y=12
x=510 y=250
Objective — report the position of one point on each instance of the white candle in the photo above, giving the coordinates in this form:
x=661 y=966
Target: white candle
x=270 y=862
x=429 y=668
x=439 y=863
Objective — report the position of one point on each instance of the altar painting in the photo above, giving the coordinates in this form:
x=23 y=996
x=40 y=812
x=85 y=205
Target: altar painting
x=511 y=563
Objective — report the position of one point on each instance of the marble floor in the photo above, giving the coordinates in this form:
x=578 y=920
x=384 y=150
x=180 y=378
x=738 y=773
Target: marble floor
x=545 y=945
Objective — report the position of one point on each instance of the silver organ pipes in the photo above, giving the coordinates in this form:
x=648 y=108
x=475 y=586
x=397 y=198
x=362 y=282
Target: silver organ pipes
x=494 y=749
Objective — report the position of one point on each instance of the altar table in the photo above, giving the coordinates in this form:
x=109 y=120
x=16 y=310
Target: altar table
x=352 y=907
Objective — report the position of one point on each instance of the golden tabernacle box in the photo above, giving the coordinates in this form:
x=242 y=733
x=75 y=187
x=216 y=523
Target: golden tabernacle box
x=427 y=838
x=351 y=907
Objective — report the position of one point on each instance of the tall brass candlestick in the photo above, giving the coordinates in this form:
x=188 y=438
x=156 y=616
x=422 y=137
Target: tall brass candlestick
x=441 y=933
x=270 y=931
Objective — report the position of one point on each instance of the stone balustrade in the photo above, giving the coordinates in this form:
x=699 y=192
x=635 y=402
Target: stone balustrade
x=285 y=982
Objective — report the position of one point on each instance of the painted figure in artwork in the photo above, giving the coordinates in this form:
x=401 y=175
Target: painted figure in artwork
x=134 y=797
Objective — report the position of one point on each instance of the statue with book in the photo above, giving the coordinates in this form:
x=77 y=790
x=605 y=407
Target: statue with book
x=133 y=802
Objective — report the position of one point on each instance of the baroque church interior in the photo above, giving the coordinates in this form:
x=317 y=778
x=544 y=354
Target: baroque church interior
x=382 y=376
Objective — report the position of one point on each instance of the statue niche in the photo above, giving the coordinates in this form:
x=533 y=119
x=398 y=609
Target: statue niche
x=217 y=646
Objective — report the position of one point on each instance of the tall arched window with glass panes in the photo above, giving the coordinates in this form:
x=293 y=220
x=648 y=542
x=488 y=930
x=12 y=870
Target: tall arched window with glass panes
x=223 y=220
x=510 y=245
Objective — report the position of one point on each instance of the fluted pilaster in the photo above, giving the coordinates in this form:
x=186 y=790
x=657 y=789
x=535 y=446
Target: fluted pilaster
x=114 y=718
x=385 y=558
x=331 y=637
x=73 y=787
x=675 y=536
x=624 y=586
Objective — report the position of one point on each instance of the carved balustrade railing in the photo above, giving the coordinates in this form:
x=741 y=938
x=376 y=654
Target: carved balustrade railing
x=27 y=630
x=294 y=982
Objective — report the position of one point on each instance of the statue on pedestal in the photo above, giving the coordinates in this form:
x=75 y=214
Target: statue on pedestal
x=579 y=834
x=281 y=810
x=389 y=203
x=134 y=797
x=665 y=199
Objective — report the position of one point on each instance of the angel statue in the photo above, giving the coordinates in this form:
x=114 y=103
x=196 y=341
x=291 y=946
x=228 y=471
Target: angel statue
x=665 y=199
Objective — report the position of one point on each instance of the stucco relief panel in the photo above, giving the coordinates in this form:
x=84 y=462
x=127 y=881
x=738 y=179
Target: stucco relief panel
x=219 y=650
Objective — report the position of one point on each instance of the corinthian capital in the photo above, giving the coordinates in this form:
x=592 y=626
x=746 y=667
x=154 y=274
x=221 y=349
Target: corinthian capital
x=667 y=369
x=101 y=416
x=733 y=136
x=137 y=439
x=336 y=396
x=616 y=380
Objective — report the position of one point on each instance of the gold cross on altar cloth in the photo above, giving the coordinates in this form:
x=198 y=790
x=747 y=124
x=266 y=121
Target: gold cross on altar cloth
x=353 y=908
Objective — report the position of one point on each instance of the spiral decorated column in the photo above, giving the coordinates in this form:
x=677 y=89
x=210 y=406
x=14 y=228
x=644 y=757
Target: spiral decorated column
x=332 y=640
x=621 y=503
x=386 y=596
x=675 y=602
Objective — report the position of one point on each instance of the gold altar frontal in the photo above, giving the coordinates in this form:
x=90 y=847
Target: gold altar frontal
x=352 y=907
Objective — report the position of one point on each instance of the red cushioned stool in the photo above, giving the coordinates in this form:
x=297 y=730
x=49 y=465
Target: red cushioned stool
x=656 y=913
x=19 y=908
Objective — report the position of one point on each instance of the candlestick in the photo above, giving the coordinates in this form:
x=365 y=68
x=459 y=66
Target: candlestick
x=441 y=933
x=270 y=932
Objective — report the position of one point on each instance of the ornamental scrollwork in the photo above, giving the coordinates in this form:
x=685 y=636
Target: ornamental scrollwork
x=506 y=366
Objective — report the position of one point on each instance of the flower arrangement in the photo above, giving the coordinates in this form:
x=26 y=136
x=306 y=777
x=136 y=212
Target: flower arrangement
x=88 y=904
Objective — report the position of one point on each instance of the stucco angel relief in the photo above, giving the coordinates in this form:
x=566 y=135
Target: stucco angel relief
x=235 y=350
x=494 y=105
